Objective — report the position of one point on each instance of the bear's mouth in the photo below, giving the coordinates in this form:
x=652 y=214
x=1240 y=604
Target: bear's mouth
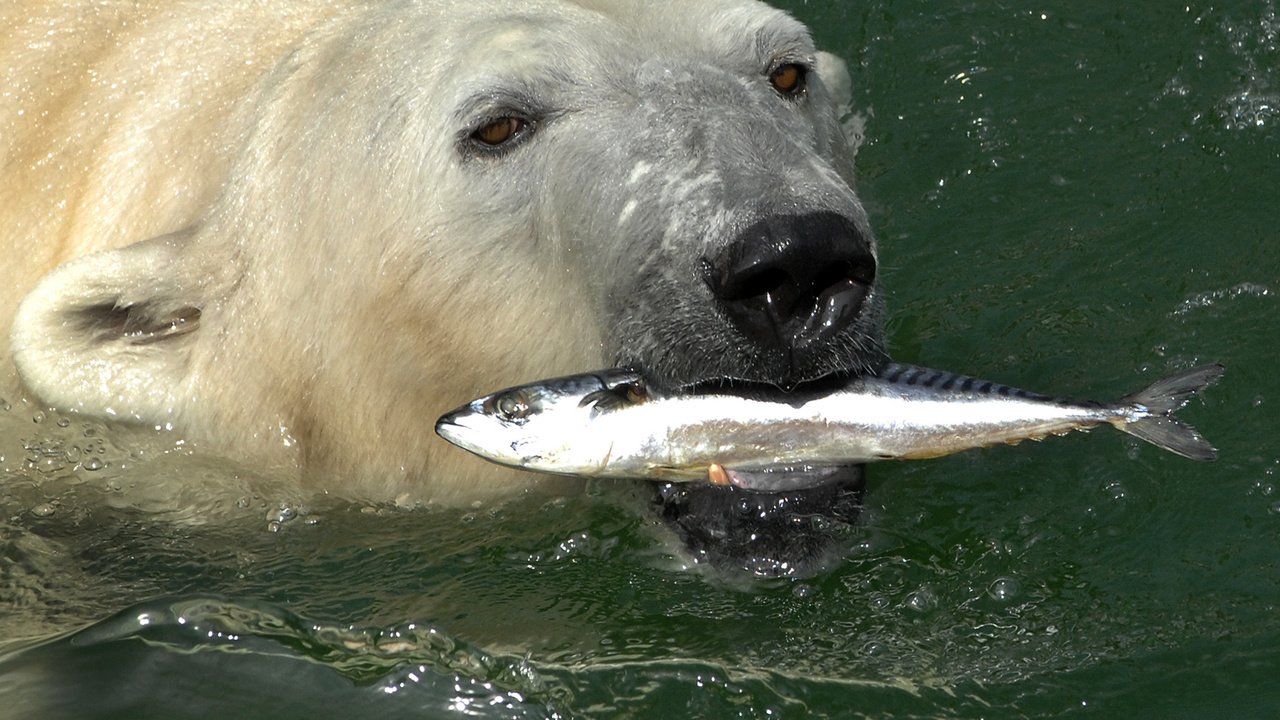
x=793 y=477
x=794 y=395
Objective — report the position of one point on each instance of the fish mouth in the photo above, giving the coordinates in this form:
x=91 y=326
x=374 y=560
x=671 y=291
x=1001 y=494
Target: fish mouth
x=456 y=432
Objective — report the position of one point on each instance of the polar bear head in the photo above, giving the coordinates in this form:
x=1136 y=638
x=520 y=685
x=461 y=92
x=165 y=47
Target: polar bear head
x=426 y=201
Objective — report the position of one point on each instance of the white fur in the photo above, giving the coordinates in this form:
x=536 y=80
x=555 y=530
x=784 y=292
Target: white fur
x=270 y=195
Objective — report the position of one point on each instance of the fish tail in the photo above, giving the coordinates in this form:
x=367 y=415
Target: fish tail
x=1161 y=400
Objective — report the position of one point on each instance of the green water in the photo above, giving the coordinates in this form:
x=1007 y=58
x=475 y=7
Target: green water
x=1070 y=197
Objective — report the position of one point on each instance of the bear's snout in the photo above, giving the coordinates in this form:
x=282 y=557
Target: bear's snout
x=792 y=281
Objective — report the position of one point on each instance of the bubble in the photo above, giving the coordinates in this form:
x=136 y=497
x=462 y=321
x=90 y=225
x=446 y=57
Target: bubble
x=48 y=464
x=63 y=422
x=1117 y=490
x=1004 y=589
x=92 y=464
x=1275 y=508
x=43 y=510
x=38 y=417
x=923 y=599
x=801 y=590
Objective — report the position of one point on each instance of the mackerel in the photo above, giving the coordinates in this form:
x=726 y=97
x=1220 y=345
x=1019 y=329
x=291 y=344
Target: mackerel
x=612 y=424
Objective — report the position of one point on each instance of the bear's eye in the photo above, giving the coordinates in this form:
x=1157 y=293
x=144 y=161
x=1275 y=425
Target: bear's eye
x=501 y=131
x=788 y=79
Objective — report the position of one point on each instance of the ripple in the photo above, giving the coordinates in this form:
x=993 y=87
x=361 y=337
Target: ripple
x=1212 y=298
x=412 y=665
x=1250 y=109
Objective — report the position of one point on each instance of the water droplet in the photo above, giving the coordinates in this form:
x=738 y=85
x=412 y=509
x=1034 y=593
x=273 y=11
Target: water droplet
x=45 y=464
x=273 y=526
x=922 y=600
x=93 y=463
x=1004 y=589
x=43 y=510
x=802 y=590
x=1116 y=490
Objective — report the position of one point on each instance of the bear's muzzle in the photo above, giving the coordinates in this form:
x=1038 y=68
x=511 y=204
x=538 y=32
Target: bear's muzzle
x=792 y=282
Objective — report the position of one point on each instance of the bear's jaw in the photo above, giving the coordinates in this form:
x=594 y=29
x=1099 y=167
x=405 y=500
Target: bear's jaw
x=764 y=534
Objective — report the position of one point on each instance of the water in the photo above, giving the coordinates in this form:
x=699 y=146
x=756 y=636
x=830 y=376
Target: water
x=1075 y=198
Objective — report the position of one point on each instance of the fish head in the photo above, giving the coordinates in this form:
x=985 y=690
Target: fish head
x=546 y=426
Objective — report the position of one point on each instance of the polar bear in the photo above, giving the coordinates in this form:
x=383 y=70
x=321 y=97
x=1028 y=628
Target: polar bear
x=297 y=231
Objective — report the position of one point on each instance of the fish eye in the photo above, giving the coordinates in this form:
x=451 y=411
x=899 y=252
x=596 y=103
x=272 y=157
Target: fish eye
x=513 y=406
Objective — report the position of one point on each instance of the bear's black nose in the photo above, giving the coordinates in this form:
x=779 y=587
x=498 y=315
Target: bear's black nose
x=788 y=281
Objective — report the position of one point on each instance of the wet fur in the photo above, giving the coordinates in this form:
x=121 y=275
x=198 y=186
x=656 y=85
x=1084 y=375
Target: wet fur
x=264 y=225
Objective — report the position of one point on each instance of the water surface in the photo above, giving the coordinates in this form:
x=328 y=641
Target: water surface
x=1070 y=197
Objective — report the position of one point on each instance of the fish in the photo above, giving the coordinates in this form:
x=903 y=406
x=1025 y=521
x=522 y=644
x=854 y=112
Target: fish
x=614 y=424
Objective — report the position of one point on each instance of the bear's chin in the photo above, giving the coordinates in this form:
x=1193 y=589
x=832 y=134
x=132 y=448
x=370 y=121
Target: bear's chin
x=791 y=526
x=791 y=534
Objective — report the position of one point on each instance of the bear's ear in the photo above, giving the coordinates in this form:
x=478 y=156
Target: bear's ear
x=110 y=333
x=839 y=85
x=835 y=75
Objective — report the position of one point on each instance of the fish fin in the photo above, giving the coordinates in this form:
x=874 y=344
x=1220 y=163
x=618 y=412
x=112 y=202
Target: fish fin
x=922 y=454
x=1169 y=434
x=1168 y=395
x=614 y=398
x=1165 y=397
